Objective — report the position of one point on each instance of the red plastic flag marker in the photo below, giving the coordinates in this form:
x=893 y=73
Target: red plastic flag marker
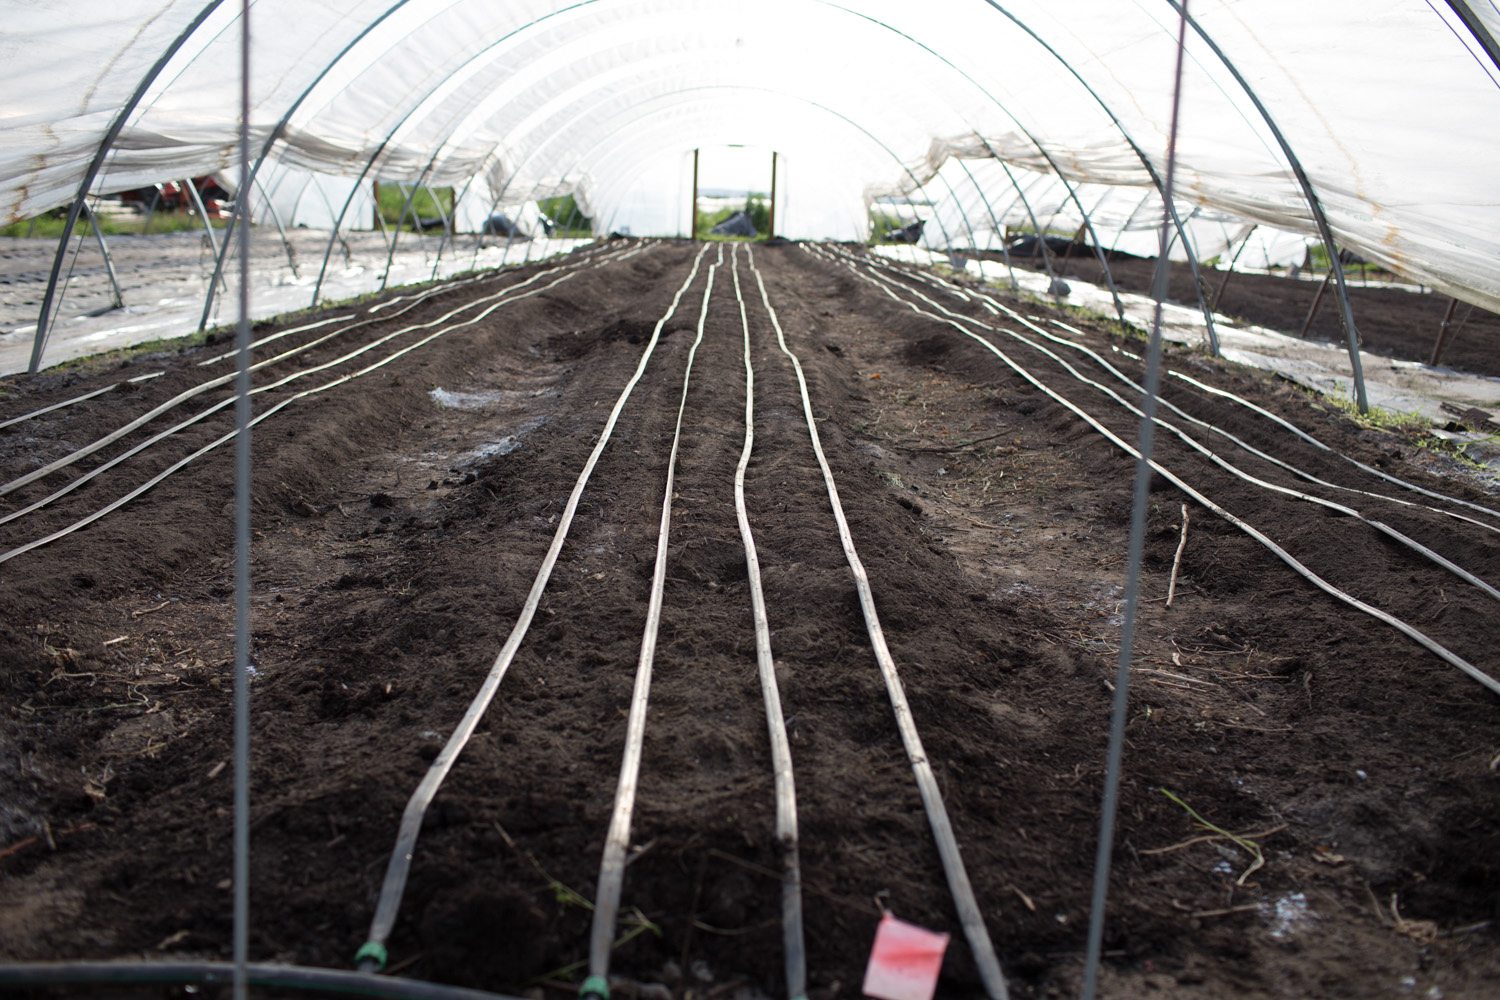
x=905 y=961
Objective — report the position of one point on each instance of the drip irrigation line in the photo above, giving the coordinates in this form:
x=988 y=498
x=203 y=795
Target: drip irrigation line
x=995 y=307
x=793 y=946
x=86 y=477
x=1395 y=535
x=34 y=975
x=11 y=422
x=959 y=886
x=222 y=380
x=181 y=463
x=373 y=954
x=617 y=841
x=1422 y=639
x=275 y=336
x=1299 y=432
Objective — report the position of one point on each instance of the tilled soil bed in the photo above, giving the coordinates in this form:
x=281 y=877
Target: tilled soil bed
x=1392 y=321
x=400 y=519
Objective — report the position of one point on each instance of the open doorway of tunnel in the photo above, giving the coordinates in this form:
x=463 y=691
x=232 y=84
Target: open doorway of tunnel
x=735 y=192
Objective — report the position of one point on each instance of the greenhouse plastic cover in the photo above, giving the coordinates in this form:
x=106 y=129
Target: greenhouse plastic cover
x=1391 y=107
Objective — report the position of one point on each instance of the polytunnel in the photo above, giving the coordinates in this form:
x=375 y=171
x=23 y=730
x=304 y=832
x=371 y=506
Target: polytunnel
x=560 y=591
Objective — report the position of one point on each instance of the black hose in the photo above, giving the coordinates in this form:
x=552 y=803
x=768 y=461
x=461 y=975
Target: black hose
x=28 y=975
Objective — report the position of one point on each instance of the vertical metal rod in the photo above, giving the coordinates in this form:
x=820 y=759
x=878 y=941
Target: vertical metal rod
x=109 y=264
x=1135 y=556
x=1441 y=343
x=1317 y=301
x=771 y=219
x=693 y=216
x=1219 y=292
x=242 y=548
x=121 y=117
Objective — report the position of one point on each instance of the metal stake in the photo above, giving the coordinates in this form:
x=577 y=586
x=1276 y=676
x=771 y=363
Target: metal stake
x=693 y=231
x=771 y=218
x=109 y=264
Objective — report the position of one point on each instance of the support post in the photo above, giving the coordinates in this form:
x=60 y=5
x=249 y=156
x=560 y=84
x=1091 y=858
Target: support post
x=1317 y=301
x=109 y=264
x=44 y=317
x=693 y=215
x=1443 y=336
x=213 y=241
x=1213 y=303
x=771 y=220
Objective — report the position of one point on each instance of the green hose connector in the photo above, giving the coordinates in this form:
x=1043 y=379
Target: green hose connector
x=372 y=951
x=594 y=986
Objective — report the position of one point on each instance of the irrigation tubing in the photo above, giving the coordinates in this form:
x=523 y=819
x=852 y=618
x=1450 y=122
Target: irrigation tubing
x=794 y=948
x=1395 y=535
x=995 y=308
x=86 y=477
x=1421 y=638
x=617 y=840
x=1299 y=432
x=372 y=955
x=183 y=462
x=1267 y=414
x=22 y=418
x=970 y=916
x=34 y=975
x=222 y=380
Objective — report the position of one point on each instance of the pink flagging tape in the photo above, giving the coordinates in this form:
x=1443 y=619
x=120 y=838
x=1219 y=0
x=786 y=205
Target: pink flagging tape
x=905 y=961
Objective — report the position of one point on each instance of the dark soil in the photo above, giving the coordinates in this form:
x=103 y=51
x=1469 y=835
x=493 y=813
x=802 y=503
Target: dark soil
x=1392 y=321
x=398 y=531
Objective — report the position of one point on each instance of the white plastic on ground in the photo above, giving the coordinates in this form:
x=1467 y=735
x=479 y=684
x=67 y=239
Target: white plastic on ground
x=165 y=278
x=1403 y=386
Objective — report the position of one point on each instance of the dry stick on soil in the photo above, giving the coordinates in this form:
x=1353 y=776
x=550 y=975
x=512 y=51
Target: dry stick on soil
x=1177 y=559
x=1246 y=843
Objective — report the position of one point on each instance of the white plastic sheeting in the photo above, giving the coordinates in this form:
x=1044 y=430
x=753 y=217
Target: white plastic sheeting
x=978 y=201
x=1390 y=105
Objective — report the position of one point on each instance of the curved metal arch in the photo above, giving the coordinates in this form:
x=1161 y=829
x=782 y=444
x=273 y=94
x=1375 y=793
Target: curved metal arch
x=506 y=185
x=1477 y=29
x=994 y=223
x=1346 y=314
x=417 y=106
x=729 y=87
x=963 y=213
x=271 y=140
x=110 y=135
x=1030 y=137
x=1140 y=154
